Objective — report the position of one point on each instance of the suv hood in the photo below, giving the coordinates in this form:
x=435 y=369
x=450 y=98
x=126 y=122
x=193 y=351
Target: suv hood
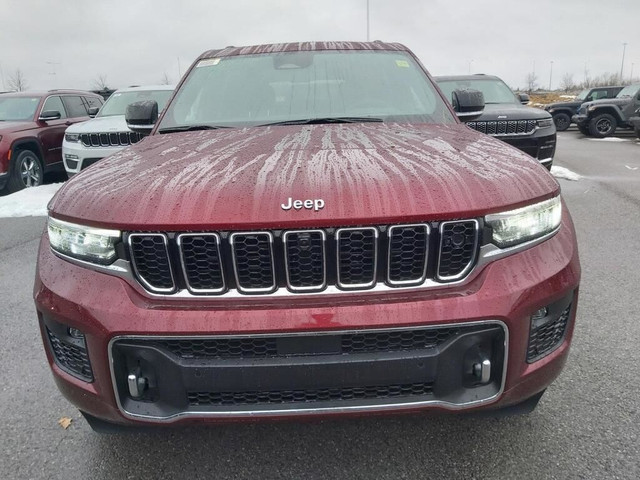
x=609 y=101
x=563 y=104
x=511 y=111
x=10 y=127
x=364 y=173
x=113 y=123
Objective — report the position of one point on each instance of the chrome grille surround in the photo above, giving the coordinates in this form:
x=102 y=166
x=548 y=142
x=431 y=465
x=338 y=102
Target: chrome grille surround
x=110 y=139
x=305 y=288
x=339 y=273
x=137 y=268
x=423 y=277
x=237 y=269
x=465 y=271
x=180 y=239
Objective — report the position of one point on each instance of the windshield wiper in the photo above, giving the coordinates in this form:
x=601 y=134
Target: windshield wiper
x=191 y=128
x=321 y=120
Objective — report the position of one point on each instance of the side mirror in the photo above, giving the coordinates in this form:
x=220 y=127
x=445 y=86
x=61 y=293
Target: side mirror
x=524 y=98
x=142 y=116
x=588 y=99
x=93 y=111
x=49 y=115
x=468 y=104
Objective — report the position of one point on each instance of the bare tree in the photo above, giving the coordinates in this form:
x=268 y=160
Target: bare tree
x=17 y=81
x=567 y=82
x=100 y=82
x=165 y=79
x=531 y=81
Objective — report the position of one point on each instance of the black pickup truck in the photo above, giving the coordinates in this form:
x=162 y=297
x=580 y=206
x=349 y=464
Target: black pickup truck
x=563 y=111
x=601 y=118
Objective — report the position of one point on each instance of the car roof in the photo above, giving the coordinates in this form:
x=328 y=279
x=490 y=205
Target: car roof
x=300 y=47
x=40 y=93
x=476 y=76
x=145 y=88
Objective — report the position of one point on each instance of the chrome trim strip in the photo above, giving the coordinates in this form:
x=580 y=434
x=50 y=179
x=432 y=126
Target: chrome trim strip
x=324 y=261
x=165 y=240
x=350 y=286
x=470 y=265
x=235 y=266
x=417 y=281
x=311 y=411
x=184 y=267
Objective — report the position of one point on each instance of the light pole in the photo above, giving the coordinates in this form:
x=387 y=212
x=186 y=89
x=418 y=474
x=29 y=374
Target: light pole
x=470 y=62
x=367 y=20
x=53 y=67
x=632 y=65
x=550 y=75
x=624 y=48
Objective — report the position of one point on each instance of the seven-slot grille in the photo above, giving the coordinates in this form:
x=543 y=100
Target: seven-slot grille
x=504 y=127
x=110 y=139
x=301 y=261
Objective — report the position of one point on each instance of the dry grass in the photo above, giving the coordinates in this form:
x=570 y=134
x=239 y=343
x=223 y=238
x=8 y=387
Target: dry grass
x=542 y=99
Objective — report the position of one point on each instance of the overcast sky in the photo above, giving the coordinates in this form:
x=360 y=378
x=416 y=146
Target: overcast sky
x=69 y=43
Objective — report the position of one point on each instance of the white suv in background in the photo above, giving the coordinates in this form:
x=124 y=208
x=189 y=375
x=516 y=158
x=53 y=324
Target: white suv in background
x=86 y=143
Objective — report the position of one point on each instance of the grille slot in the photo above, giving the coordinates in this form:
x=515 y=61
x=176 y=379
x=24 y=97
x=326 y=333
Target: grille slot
x=357 y=255
x=253 y=261
x=309 y=396
x=201 y=262
x=458 y=246
x=546 y=338
x=150 y=255
x=305 y=259
x=504 y=127
x=408 y=249
x=110 y=139
x=72 y=358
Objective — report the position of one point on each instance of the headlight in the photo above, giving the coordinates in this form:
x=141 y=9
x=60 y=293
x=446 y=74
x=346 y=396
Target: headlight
x=545 y=123
x=526 y=223
x=86 y=243
x=591 y=108
x=550 y=110
x=72 y=137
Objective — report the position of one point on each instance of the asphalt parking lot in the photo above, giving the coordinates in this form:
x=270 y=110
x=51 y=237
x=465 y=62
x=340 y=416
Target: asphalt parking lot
x=586 y=426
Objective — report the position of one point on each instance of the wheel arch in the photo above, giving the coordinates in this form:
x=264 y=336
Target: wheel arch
x=31 y=144
x=611 y=110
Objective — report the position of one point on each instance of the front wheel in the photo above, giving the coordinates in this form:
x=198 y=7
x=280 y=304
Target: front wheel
x=27 y=171
x=562 y=121
x=583 y=129
x=638 y=132
x=603 y=125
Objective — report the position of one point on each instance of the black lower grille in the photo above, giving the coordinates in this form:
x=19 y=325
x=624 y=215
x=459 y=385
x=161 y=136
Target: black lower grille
x=343 y=343
x=458 y=245
x=72 y=358
x=309 y=396
x=547 y=337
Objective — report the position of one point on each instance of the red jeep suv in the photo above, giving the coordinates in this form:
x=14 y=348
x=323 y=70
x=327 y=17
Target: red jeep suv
x=308 y=230
x=32 y=126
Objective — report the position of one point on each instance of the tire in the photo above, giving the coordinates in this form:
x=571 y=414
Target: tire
x=583 y=129
x=562 y=121
x=637 y=132
x=26 y=171
x=603 y=125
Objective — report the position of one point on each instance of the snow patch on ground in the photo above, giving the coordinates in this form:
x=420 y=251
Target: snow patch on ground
x=609 y=139
x=30 y=202
x=561 y=172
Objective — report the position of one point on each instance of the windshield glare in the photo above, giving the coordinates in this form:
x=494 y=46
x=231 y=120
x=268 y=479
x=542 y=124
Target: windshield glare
x=260 y=89
x=18 y=109
x=629 y=90
x=583 y=94
x=494 y=90
x=117 y=103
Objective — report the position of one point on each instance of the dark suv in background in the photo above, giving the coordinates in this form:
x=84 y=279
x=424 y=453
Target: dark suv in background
x=601 y=118
x=32 y=126
x=563 y=111
x=506 y=117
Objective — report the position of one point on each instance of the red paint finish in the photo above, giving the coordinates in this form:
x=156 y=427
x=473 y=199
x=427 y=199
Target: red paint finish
x=365 y=174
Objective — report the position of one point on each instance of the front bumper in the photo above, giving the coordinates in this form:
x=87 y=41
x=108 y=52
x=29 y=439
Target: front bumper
x=580 y=119
x=542 y=147
x=125 y=333
x=78 y=157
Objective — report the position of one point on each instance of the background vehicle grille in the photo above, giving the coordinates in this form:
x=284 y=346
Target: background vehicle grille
x=304 y=260
x=110 y=139
x=504 y=127
x=309 y=396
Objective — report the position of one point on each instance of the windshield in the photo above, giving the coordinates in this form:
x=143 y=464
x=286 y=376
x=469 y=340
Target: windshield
x=18 y=109
x=261 y=89
x=117 y=103
x=583 y=94
x=629 y=90
x=493 y=89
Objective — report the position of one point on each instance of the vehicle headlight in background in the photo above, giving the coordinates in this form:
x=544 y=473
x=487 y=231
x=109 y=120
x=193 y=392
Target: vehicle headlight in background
x=72 y=137
x=545 y=123
x=526 y=223
x=95 y=245
x=591 y=108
